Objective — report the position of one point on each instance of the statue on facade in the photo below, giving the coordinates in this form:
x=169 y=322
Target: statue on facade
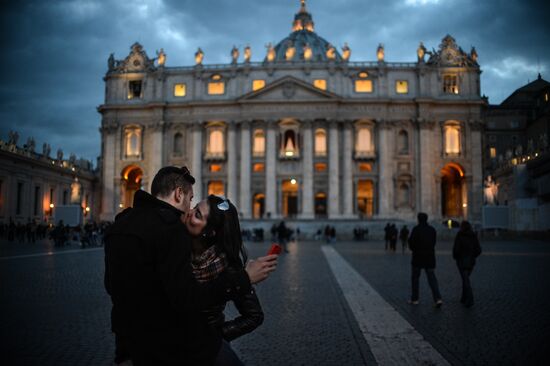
x=346 y=52
x=308 y=52
x=380 y=52
x=270 y=52
x=331 y=52
x=59 y=154
x=490 y=191
x=473 y=54
x=76 y=189
x=290 y=51
x=234 y=55
x=161 y=57
x=111 y=62
x=247 y=53
x=46 y=149
x=13 y=136
x=421 y=52
x=199 y=55
x=30 y=145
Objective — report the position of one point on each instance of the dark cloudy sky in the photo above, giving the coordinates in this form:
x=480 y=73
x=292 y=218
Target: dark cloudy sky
x=55 y=52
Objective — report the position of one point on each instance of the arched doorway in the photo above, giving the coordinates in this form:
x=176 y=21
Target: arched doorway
x=365 y=193
x=321 y=204
x=258 y=208
x=131 y=182
x=453 y=191
x=290 y=197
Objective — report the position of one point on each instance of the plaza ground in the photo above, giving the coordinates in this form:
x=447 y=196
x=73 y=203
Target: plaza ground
x=54 y=310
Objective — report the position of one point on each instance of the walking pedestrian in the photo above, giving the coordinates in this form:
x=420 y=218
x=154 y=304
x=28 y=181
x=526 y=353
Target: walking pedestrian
x=404 y=236
x=422 y=244
x=393 y=237
x=465 y=251
x=387 y=230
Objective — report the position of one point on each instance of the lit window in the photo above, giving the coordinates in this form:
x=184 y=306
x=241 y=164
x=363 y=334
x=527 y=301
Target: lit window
x=216 y=88
x=215 y=142
x=258 y=148
x=258 y=167
x=401 y=87
x=363 y=144
x=320 y=84
x=258 y=84
x=365 y=197
x=215 y=168
x=452 y=140
x=450 y=84
x=320 y=142
x=363 y=86
x=546 y=97
x=179 y=90
x=363 y=74
x=216 y=187
x=290 y=148
x=216 y=77
x=132 y=142
x=365 y=167
x=493 y=152
x=134 y=89
x=320 y=167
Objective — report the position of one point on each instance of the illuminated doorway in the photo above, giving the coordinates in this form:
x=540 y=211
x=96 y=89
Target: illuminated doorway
x=365 y=194
x=258 y=208
x=453 y=191
x=290 y=197
x=131 y=182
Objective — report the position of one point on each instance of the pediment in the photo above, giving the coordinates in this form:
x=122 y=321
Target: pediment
x=289 y=88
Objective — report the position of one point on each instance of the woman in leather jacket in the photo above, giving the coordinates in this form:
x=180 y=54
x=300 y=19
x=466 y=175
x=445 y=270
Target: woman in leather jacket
x=218 y=246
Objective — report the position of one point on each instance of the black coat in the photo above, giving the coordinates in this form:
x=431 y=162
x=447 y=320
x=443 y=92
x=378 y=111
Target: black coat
x=466 y=249
x=422 y=243
x=156 y=301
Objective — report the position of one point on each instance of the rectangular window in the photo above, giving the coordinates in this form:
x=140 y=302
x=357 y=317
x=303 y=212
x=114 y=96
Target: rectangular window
x=320 y=167
x=216 y=88
x=19 y=198
x=134 y=89
x=258 y=84
x=401 y=87
x=36 y=200
x=493 y=152
x=320 y=84
x=215 y=168
x=450 y=84
x=365 y=167
x=258 y=167
x=363 y=86
x=179 y=90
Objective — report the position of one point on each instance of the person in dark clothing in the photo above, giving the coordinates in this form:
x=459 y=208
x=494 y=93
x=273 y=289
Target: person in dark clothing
x=217 y=244
x=465 y=251
x=156 y=300
x=404 y=236
x=282 y=235
x=387 y=235
x=422 y=244
x=393 y=237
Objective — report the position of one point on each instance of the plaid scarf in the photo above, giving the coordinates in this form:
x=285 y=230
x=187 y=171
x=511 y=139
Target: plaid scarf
x=208 y=265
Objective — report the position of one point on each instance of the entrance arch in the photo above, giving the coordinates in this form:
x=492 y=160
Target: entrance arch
x=258 y=208
x=131 y=182
x=365 y=193
x=290 y=197
x=453 y=191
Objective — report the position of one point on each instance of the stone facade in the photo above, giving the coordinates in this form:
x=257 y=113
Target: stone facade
x=306 y=133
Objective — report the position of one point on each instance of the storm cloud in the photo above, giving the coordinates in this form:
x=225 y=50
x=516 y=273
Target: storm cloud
x=55 y=52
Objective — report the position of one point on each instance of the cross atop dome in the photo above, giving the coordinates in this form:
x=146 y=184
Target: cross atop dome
x=303 y=19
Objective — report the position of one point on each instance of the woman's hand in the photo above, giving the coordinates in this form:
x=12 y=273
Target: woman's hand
x=259 y=269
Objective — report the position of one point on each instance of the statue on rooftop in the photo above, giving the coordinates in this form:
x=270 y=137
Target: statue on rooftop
x=490 y=191
x=30 y=145
x=270 y=52
x=199 y=55
x=346 y=52
x=59 y=154
x=111 y=62
x=247 y=53
x=161 y=57
x=473 y=54
x=290 y=51
x=13 y=136
x=46 y=149
x=234 y=55
x=331 y=52
x=421 y=52
x=380 y=52
x=308 y=52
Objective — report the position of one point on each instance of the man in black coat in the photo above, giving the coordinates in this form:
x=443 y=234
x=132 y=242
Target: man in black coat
x=156 y=314
x=422 y=244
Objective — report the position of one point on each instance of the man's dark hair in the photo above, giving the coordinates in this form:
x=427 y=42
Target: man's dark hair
x=169 y=178
x=422 y=217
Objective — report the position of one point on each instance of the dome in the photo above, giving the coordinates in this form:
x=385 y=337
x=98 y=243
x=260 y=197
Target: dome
x=303 y=43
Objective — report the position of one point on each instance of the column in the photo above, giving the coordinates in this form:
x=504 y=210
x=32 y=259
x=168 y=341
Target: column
x=385 y=161
x=475 y=195
x=271 y=153
x=426 y=150
x=244 y=199
x=232 y=163
x=196 y=168
x=155 y=153
x=334 y=172
x=307 y=168
x=108 y=162
x=347 y=183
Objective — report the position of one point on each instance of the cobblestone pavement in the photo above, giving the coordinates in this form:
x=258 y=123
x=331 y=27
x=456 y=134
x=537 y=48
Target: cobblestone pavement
x=54 y=311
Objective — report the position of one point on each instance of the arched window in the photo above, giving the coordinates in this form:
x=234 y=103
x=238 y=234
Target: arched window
x=403 y=142
x=132 y=143
x=216 y=143
x=216 y=187
x=363 y=143
x=320 y=142
x=178 y=144
x=452 y=139
x=258 y=148
x=289 y=143
x=404 y=195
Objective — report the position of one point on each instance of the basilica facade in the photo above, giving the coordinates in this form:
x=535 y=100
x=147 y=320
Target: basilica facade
x=306 y=133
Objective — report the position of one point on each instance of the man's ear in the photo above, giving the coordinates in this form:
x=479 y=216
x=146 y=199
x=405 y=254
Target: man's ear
x=178 y=195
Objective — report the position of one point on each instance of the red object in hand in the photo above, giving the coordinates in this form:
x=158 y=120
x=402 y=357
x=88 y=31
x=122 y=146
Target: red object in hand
x=275 y=249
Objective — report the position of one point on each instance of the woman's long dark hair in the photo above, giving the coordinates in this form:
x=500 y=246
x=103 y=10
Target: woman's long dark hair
x=224 y=231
